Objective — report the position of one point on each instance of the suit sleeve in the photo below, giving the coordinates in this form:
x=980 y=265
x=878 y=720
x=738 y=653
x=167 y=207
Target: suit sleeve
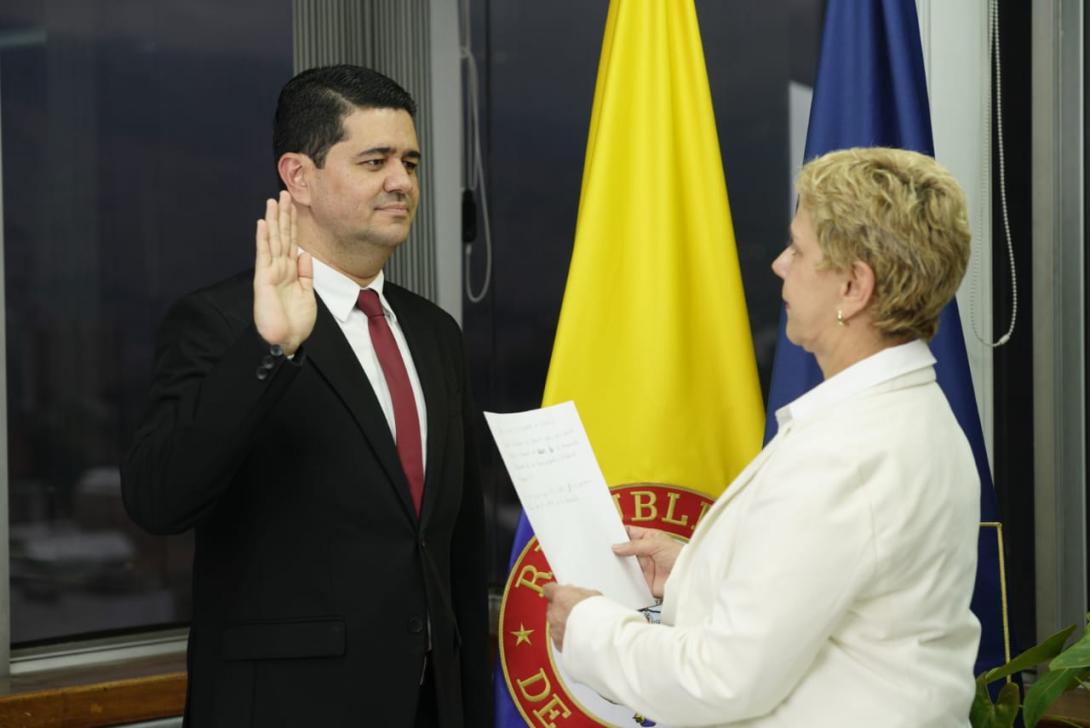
x=803 y=551
x=469 y=573
x=213 y=381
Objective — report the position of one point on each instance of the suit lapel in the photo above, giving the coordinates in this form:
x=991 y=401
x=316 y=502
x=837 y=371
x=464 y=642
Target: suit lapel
x=737 y=486
x=334 y=359
x=680 y=577
x=427 y=359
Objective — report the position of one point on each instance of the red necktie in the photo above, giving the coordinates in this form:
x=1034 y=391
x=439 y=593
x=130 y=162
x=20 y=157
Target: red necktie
x=406 y=420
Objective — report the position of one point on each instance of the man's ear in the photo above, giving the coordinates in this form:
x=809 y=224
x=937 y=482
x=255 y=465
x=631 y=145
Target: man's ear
x=295 y=172
x=858 y=288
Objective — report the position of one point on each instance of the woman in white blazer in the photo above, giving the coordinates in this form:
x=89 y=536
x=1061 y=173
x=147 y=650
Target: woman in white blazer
x=829 y=585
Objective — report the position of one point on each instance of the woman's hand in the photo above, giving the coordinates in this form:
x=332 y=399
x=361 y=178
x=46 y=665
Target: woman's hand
x=562 y=599
x=656 y=551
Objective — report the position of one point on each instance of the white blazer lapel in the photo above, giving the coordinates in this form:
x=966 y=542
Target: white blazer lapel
x=679 y=576
x=739 y=483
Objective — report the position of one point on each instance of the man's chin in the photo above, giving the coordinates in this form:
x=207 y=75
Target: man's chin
x=391 y=242
x=388 y=238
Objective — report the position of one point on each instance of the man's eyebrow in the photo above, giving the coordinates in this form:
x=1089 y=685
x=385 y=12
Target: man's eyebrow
x=387 y=151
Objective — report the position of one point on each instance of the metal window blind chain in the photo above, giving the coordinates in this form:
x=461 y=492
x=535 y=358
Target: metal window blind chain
x=475 y=168
x=993 y=41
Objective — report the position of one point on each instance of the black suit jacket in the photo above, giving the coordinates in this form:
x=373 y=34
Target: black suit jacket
x=317 y=590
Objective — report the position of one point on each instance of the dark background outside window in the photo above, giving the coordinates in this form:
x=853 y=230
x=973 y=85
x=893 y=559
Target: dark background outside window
x=136 y=156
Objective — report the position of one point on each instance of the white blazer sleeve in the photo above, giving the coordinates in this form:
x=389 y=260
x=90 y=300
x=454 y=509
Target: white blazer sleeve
x=802 y=548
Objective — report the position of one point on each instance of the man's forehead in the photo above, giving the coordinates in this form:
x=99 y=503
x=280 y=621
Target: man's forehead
x=392 y=128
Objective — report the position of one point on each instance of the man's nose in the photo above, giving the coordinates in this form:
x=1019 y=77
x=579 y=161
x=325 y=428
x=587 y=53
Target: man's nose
x=399 y=179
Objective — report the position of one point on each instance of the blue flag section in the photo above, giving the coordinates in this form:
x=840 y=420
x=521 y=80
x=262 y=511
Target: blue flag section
x=507 y=715
x=871 y=91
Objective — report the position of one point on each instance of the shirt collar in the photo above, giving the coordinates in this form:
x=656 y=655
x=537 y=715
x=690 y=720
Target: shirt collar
x=876 y=369
x=339 y=292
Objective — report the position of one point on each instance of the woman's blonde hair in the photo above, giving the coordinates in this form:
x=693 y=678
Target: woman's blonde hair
x=901 y=213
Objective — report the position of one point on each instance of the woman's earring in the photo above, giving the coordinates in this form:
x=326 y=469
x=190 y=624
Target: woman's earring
x=840 y=318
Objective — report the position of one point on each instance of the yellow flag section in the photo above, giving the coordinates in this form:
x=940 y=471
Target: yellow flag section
x=653 y=343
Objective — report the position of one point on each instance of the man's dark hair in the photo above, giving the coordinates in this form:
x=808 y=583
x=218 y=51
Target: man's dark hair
x=312 y=106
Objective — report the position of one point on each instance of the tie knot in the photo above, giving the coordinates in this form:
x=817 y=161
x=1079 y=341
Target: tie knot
x=368 y=302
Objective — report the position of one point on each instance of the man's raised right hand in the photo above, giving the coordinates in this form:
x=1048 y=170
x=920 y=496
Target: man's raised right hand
x=284 y=304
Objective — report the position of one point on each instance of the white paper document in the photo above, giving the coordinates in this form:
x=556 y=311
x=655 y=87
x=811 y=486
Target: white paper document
x=567 y=502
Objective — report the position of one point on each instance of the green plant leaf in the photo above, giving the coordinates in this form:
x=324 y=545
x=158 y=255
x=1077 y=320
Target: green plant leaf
x=1044 y=692
x=1032 y=657
x=1006 y=707
x=1075 y=656
x=984 y=714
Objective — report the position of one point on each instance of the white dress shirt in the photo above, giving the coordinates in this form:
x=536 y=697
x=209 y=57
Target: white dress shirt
x=828 y=587
x=339 y=293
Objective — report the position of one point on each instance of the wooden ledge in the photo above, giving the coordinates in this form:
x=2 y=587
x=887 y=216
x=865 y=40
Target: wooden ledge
x=1073 y=706
x=148 y=688
x=99 y=695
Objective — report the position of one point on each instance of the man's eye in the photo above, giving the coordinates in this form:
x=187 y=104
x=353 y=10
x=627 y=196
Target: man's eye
x=373 y=163
x=410 y=167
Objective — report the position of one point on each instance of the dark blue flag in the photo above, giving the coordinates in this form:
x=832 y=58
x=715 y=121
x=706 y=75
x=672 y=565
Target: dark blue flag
x=507 y=715
x=871 y=91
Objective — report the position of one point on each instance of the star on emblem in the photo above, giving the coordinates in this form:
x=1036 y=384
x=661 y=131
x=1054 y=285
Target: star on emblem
x=522 y=634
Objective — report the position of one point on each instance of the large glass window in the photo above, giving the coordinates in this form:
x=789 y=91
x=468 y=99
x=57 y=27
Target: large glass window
x=136 y=155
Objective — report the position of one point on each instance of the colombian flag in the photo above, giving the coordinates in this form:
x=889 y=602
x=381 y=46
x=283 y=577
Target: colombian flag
x=653 y=343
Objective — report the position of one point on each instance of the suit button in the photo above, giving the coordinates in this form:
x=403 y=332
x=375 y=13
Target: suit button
x=416 y=625
x=262 y=373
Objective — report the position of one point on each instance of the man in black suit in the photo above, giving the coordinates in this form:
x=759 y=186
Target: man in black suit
x=312 y=423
